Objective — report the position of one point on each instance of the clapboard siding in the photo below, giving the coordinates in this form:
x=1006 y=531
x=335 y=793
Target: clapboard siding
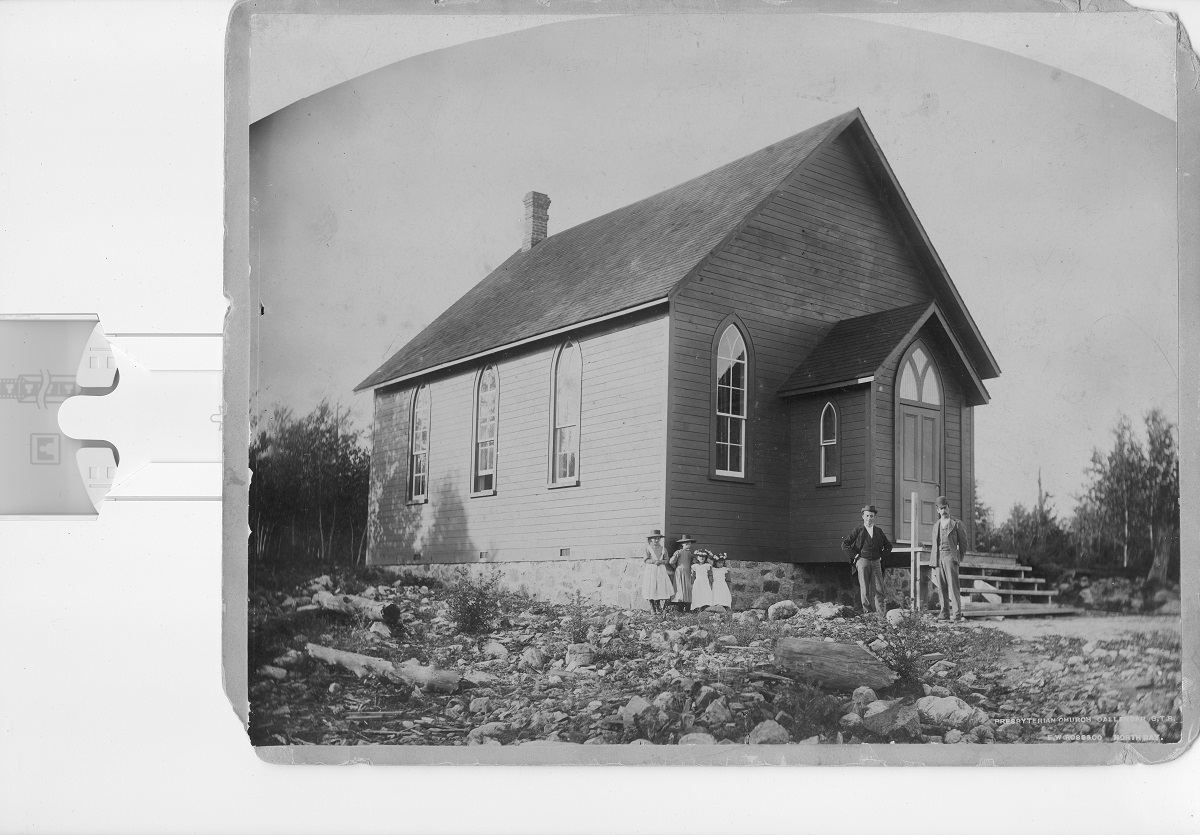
x=823 y=248
x=621 y=462
x=821 y=514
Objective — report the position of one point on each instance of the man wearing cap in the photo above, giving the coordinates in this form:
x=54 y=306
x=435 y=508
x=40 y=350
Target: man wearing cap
x=867 y=547
x=949 y=540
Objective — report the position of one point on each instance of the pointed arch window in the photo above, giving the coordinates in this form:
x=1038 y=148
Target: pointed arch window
x=487 y=394
x=919 y=379
x=829 y=444
x=732 y=367
x=566 y=389
x=418 y=447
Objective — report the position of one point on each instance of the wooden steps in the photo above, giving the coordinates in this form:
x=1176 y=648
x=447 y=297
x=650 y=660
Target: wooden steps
x=1003 y=580
x=1011 y=610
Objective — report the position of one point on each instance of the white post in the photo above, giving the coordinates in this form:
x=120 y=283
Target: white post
x=914 y=558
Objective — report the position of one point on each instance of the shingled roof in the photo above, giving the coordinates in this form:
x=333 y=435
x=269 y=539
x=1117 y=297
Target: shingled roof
x=621 y=260
x=853 y=349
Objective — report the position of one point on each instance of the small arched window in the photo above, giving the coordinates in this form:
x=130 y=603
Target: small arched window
x=418 y=447
x=564 y=410
x=829 y=444
x=487 y=391
x=919 y=379
x=731 y=403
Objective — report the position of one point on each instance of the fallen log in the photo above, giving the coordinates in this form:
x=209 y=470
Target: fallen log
x=835 y=666
x=411 y=672
x=350 y=604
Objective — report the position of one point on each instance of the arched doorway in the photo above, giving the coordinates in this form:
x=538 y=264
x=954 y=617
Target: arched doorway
x=920 y=441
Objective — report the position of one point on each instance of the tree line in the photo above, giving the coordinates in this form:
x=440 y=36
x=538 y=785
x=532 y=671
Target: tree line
x=1127 y=516
x=308 y=493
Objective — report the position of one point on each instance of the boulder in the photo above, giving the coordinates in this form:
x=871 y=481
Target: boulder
x=478 y=678
x=728 y=641
x=764 y=601
x=496 y=650
x=580 y=655
x=698 y=638
x=697 y=738
x=718 y=712
x=952 y=737
x=703 y=697
x=748 y=617
x=486 y=731
x=862 y=697
x=381 y=629
x=900 y=722
x=769 y=732
x=608 y=631
x=480 y=704
x=947 y=711
x=782 y=610
x=633 y=708
x=671 y=700
x=532 y=659
x=812 y=740
x=876 y=707
x=850 y=722
x=895 y=617
x=826 y=611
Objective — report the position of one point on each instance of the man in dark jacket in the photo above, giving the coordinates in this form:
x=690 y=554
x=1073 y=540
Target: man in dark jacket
x=949 y=538
x=867 y=547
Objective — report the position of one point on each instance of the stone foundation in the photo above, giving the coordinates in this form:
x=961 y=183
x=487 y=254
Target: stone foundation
x=619 y=582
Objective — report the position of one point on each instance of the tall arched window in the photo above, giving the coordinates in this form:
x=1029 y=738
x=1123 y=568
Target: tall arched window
x=829 y=444
x=564 y=409
x=487 y=391
x=418 y=446
x=919 y=379
x=732 y=362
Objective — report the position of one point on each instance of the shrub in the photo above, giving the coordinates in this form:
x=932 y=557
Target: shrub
x=577 y=626
x=906 y=644
x=474 y=603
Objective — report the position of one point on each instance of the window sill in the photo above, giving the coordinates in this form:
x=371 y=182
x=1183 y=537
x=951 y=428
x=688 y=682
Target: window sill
x=479 y=493
x=554 y=485
x=422 y=500
x=837 y=482
x=737 y=479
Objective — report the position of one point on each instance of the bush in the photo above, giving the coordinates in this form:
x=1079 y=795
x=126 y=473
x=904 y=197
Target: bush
x=474 y=603
x=577 y=627
x=906 y=644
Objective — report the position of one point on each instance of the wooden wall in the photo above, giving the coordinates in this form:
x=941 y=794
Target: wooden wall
x=823 y=248
x=620 y=496
x=821 y=514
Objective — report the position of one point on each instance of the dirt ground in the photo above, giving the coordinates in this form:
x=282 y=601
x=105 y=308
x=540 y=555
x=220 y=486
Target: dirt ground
x=1087 y=627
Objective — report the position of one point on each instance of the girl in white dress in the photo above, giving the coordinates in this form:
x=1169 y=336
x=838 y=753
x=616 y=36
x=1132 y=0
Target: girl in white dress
x=701 y=586
x=720 y=586
x=656 y=580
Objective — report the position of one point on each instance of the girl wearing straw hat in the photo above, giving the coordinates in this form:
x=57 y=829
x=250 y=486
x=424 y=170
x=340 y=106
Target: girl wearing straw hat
x=656 y=580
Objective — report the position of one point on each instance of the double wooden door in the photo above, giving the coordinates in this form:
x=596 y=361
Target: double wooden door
x=920 y=467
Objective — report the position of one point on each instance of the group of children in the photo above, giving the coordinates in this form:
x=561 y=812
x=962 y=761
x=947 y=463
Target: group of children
x=693 y=583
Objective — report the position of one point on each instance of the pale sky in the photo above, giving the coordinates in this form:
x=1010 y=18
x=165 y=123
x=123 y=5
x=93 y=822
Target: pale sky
x=1050 y=198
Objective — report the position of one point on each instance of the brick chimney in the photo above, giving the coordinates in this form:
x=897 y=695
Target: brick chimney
x=537 y=218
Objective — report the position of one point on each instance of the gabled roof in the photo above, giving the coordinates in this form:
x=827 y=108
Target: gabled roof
x=855 y=350
x=635 y=257
x=615 y=262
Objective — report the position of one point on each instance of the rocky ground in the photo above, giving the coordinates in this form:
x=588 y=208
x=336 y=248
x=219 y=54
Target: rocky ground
x=547 y=674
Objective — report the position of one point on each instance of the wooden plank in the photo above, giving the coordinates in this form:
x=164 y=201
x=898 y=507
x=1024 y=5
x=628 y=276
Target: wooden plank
x=839 y=667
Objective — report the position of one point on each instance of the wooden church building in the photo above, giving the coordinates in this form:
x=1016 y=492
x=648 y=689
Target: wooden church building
x=748 y=357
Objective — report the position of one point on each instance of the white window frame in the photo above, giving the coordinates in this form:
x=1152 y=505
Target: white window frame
x=476 y=444
x=419 y=453
x=829 y=446
x=554 y=478
x=734 y=419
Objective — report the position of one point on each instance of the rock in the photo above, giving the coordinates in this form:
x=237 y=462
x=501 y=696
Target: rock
x=608 y=631
x=952 y=737
x=812 y=740
x=595 y=740
x=826 y=611
x=748 y=617
x=864 y=696
x=850 y=722
x=944 y=664
x=496 y=650
x=895 y=617
x=488 y=730
x=728 y=641
x=931 y=657
x=899 y=721
x=718 y=713
x=764 y=601
x=671 y=700
x=617 y=619
x=580 y=655
x=277 y=673
x=633 y=708
x=876 y=707
x=322 y=582
x=697 y=738
x=698 y=638
x=948 y=711
x=478 y=678
x=532 y=659
x=938 y=690
x=1134 y=729
x=480 y=704
x=782 y=610
x=289 y=659
x=878 y=644
x=381 y=629
x=967 y=679
x=716 y=609
x=983 y=734
x=703 y=698
x=658 y=640
x=371 y=593
x=334 y=689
